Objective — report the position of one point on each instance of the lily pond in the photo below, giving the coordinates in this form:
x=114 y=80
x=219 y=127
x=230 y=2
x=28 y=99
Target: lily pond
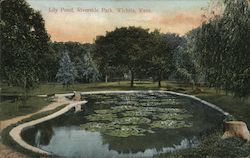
x=125 y=125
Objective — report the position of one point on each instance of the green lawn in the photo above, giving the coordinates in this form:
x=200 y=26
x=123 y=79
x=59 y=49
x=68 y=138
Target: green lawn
x=123 y=85
x=237 y=107
x=16 y=107
x=57 y=88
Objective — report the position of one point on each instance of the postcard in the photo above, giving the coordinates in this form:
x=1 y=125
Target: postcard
x=125 y=78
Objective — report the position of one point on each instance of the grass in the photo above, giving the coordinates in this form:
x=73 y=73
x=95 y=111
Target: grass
x=212 y=146
x=58 y=88
x=16 y=107
x=237 y=107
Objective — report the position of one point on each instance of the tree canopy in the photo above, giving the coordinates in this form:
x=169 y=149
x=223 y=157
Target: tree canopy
x=125 y=47
x=222 y=47
x=24 y=43
x=160 y=63
x=67 y=72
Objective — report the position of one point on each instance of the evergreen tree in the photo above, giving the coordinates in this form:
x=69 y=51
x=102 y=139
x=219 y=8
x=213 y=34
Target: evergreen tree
x=66 y=73
x=86 y=69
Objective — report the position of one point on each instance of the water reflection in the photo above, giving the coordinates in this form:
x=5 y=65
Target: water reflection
x=39 y=136
x=72 y=141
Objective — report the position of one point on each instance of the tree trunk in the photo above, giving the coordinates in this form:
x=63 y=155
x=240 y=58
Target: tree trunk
x=236 y=129
x=159 y=83
x=132 y=79
x=25 y=88
x=106 y=78
x=159 y=80
x=193 y=84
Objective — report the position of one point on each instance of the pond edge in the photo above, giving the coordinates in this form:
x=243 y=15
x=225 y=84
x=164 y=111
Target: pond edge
x=15 y=133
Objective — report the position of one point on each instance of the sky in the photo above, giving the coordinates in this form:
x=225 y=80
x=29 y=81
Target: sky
x=83 y=20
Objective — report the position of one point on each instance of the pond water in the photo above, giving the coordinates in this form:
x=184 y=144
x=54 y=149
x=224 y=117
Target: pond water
x=125 y=125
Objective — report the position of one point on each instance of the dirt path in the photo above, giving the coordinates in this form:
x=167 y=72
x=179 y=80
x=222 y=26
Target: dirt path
x=5 y=151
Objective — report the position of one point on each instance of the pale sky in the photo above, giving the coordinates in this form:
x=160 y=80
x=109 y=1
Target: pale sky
x=83 y=20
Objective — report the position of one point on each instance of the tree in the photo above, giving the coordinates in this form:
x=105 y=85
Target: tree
x=66 y=73
x=222 y=45
x=187 y=69
x=102 y=54
x=162 y=48
x=81 y=56
x=86 y=69
x=24 y=43
x=125 y=47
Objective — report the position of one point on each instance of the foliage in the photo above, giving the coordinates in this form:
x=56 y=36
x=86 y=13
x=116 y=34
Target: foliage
x=126 y=131
x=86 y=69
x=24 y=44
x=172 y=116
x=160 y=62
x=138 y=113
x=222 y=47
x=96 y=126
x=187 y=67
x=132 y=120
x=101 y=117
x=80 y=55
x=135 y=120
x=123 y=108
x=123 y=47
x=170 y=124
x=66 y=73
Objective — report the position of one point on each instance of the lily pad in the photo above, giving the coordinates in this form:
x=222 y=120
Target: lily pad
x=170 y=124
x=126 y=131
x=123 y=108
x=163 y=110
x=132 y=120
x=104 y=111
x=151 y=104
x=101 y=117
x=107 y=102
x=96 y=126
x=172 y=116
x=115 y=130
x=174 y=110
x=128 y=102
x=139 y=113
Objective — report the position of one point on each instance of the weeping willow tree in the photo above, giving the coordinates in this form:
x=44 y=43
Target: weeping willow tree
x=222 y=46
